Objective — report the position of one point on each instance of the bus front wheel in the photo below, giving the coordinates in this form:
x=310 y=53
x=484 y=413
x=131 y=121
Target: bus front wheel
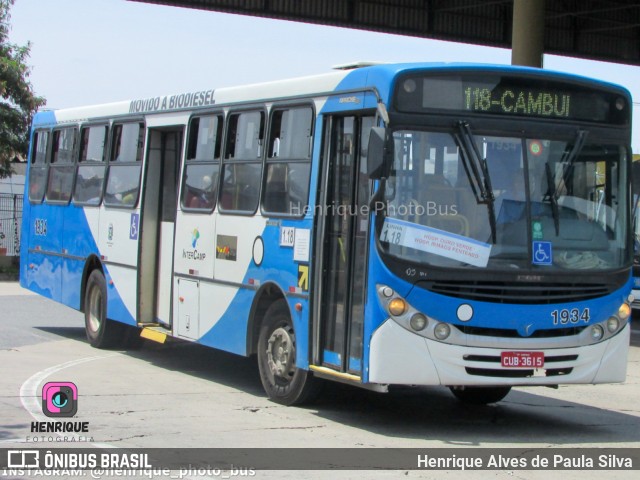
x=282 y=380
x=101 y=332
x=480 y=395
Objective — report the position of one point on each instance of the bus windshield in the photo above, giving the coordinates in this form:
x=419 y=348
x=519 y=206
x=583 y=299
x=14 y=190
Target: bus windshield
x=635 y=177
x=466 y=200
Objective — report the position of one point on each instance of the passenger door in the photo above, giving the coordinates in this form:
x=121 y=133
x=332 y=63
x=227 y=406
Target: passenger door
x=342 y=245
x=157 y=225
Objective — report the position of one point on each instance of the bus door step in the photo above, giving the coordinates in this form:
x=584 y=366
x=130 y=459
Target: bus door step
x=155 y=333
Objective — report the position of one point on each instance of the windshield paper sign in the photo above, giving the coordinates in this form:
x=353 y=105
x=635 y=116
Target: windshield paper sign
x=438 y=242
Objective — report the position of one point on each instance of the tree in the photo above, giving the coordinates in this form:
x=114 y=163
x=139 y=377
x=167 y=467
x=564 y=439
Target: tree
x=18 y=102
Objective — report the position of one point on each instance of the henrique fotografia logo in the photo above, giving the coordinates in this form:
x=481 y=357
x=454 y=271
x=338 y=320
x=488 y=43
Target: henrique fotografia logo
x=60 y=402
x=59 y=399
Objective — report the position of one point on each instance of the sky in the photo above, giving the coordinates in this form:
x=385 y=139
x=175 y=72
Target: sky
x=98 y=51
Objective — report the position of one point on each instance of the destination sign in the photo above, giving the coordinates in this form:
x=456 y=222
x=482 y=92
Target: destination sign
x=517 y=101
x=511 y=96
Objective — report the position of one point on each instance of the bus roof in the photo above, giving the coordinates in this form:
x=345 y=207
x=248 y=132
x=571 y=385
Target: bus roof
x=358 y=76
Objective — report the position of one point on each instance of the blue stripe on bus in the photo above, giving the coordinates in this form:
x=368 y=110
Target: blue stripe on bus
x=278 y=267
x=58 y=276
x=514 y=316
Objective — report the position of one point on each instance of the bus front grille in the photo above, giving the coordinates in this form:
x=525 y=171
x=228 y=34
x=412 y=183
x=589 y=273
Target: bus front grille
x=507 y=333
x=518 y=293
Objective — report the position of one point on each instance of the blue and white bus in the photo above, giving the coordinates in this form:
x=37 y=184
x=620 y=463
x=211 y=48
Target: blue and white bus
x=414 y=224
x=635 y=182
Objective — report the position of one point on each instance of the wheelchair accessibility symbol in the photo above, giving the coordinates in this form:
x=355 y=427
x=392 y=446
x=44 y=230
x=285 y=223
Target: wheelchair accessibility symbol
x=134 y=226
x=542 y=253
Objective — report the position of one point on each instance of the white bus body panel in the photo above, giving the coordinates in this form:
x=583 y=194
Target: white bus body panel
x=116 y=240
x=92 y=215
x=187 y=309
x=236 y=233
x=118 y=245
x=195 y=245
x=165 y=272
x=398 y=356
x=166 y=120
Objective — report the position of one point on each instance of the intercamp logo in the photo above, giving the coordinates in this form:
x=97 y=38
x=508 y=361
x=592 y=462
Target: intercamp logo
x=195 y=236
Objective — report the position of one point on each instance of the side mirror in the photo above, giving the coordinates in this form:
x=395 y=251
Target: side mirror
x=376 y=152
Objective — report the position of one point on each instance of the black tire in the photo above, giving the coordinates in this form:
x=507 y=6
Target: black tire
x=480 y=395
x=283 y=382
x=101 y=332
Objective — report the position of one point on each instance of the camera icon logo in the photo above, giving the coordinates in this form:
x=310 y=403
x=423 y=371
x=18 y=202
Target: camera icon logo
x=59 y=399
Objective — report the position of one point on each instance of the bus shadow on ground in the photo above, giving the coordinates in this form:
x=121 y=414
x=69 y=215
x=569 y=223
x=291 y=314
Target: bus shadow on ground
x=188 y=358
x=71 y=333
x=521 y=418
x=411 y=413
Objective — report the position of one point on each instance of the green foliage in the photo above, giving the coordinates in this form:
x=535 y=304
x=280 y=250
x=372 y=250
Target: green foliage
x=18 y=102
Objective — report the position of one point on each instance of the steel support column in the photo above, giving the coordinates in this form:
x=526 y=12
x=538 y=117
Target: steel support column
x=527 y=42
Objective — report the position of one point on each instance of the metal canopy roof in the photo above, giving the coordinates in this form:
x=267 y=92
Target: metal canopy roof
x=606 y=30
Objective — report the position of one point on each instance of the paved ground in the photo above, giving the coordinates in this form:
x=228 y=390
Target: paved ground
x=183 y=395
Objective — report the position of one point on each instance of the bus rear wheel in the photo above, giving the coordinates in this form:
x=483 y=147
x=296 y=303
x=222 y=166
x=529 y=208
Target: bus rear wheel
x=282 y=380
x=101 y=332
x=480 y=395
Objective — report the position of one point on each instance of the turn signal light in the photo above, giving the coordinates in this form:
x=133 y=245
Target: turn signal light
x=397 y=306
x=624 y=311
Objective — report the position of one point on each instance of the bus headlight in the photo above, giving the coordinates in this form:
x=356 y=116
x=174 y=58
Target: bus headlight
x=613 y=324
x=397 y=306
x=442 y=331
x=624 y=311
x=401 y=312
x=597 y=332
x=418 y=322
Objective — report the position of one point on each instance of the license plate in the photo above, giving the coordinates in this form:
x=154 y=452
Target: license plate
x=522 y=359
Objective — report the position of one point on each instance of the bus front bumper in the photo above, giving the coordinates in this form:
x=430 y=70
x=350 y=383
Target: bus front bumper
x=398 y=356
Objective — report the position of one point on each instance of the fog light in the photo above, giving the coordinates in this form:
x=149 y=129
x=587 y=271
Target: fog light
x=397 y=307
x=624 y=311
x=612 y=324
x=442 y=331
x=596 y=332
x=387 y=292
x=631 y=298
x=418 y=322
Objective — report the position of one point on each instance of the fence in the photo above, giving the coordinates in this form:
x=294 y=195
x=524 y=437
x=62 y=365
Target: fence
x=10 y=223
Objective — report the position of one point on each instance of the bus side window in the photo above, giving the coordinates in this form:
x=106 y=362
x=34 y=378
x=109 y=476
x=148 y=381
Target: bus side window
x=242 y=167
x=38 y=167
x=91 y=166
x=286 y=187
x=202 y=166
x=62 y=165
x=123 y=176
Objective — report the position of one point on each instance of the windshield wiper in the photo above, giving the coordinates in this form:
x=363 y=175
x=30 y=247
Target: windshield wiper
x=552 y=187
x=570 y=158
x=553 y=198
x=477 y=171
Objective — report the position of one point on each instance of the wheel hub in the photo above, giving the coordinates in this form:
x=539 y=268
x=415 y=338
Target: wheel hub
x=95 y=309
x=280 y=353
